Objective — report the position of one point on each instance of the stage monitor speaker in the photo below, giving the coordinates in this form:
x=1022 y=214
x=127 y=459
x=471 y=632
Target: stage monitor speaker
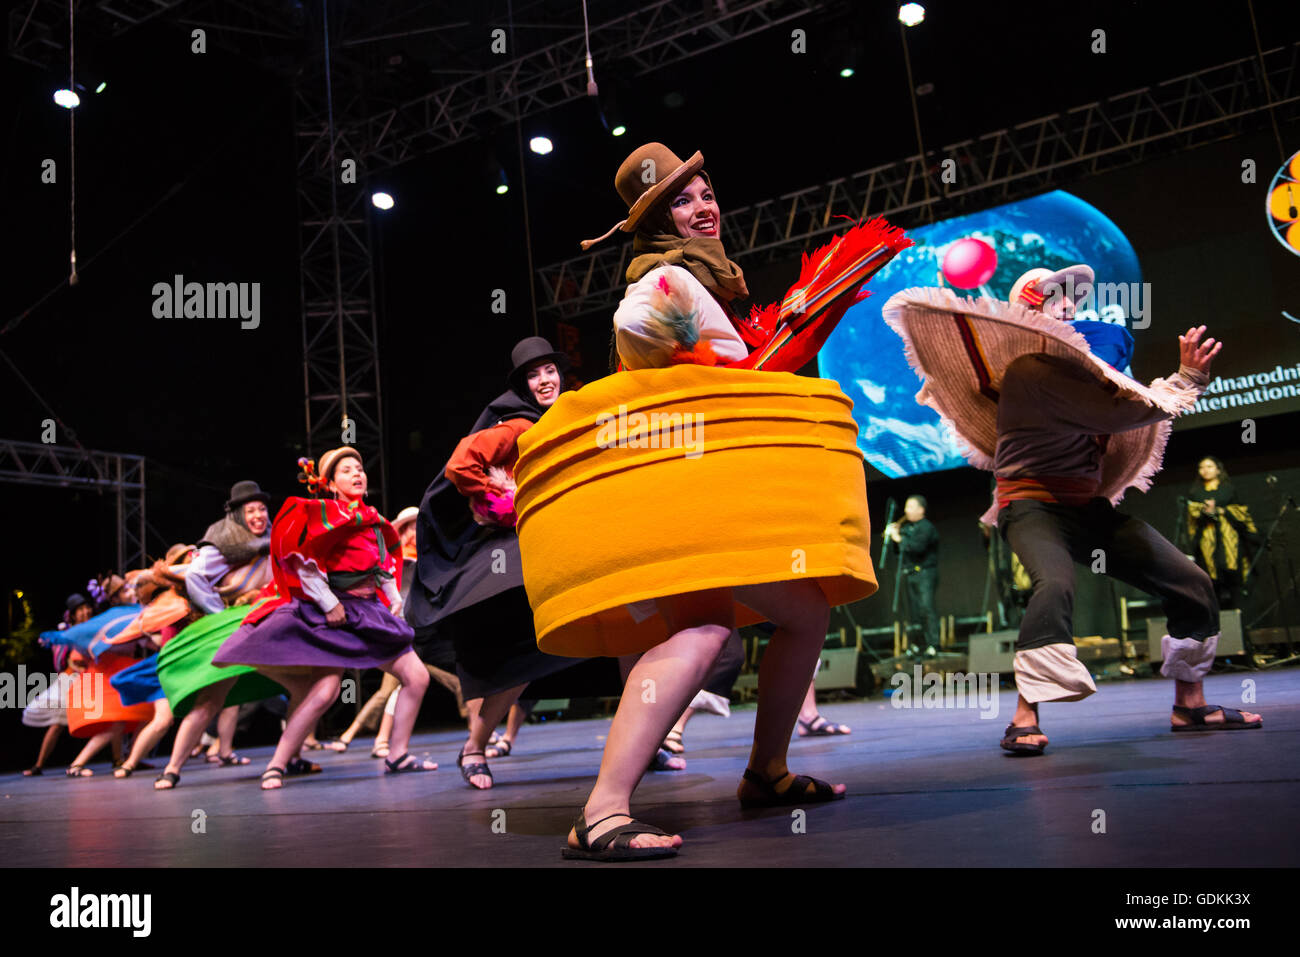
x=846 y=669
x=992 y=652
x=839 y=667
x=1230 y=642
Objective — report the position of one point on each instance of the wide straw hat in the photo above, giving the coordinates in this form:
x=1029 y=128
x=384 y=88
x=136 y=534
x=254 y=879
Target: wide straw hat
x=1036 y=286
x=960 y=348
x=651 y=173
x=408 y=514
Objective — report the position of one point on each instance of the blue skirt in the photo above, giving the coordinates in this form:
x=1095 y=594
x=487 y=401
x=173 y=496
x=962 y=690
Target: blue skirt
x=139 y=683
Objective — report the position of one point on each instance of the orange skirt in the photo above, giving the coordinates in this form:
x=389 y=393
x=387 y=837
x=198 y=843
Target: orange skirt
x=94 y=704
x=662 y=482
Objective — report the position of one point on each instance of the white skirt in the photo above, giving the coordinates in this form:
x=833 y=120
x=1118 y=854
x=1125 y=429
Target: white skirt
x=50 y=707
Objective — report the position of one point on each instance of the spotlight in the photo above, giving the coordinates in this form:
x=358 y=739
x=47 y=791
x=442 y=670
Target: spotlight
x=618 y=130
x=540 y=145
x=503 y=185
x=847 y=72
x=102 y=86
x=910 y=14
x=66 y=99
x=382 y=200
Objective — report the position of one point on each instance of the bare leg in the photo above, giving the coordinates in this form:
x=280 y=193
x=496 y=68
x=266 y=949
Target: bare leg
x=309 y=698
x=800 y=612
x=95 y=745
x=410 y=671
x=658 y=688
x=147 y=737
x=52 y=735
x=206 y=705
x=227 y=721
x=484 y=715
x=452 y=683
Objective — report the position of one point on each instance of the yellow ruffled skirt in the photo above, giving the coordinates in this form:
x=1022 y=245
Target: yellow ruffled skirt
x=667 y=481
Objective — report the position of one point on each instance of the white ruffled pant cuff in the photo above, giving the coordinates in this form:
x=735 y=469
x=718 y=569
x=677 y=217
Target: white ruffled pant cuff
x=1188 y=659
x=1052 y=673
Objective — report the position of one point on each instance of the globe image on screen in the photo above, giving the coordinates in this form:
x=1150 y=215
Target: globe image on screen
x=897 y=435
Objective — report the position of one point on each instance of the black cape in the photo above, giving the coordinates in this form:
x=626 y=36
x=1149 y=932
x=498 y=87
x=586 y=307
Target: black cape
x=456 y=554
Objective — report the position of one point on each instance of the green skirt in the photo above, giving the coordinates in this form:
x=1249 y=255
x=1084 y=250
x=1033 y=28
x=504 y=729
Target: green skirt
x=185 y=664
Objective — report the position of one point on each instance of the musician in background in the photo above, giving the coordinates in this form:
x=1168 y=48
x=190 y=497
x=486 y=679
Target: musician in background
x=1219 y=525
x=917 y=541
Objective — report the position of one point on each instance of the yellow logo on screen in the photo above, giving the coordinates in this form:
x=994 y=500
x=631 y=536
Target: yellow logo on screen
x=1284 y=204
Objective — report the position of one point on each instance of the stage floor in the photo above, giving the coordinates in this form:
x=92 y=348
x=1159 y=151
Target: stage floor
x=927 y=788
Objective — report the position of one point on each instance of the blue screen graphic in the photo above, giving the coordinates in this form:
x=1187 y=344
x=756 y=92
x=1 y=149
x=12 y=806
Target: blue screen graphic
x=896 y=434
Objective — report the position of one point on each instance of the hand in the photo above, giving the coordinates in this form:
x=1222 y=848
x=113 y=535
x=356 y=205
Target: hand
x=1195 y=354
x=336 y=615
x=396 y=608
x=1209 y=506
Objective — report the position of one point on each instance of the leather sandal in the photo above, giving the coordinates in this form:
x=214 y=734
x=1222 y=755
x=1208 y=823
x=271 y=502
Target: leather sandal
x=171 y=777
x=614 y=844
x=820 y=726
x=793 y=796
x=272 y=779
x=468 y=771
x=399 y=766
x=1232 y=719
x=1009 y=742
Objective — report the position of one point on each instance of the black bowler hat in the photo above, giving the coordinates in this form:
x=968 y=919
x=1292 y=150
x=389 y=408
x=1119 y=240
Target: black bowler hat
x=246 y=491
x=76 y=600
x=529 y=352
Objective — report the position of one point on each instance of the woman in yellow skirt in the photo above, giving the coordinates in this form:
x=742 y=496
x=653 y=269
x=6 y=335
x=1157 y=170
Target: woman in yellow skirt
x=662 y=506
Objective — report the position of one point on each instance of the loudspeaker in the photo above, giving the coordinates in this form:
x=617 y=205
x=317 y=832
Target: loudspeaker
x=1230 y=642
x=992 y=652
x=839 y=669
x=844 y=668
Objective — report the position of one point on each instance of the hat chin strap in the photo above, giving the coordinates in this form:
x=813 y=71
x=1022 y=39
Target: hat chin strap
x=588 y=243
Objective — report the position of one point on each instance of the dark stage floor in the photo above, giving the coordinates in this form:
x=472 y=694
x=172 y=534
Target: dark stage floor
x=927 y=788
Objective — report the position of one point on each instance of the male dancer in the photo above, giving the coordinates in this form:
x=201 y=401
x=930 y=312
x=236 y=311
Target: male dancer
x=1055 y=419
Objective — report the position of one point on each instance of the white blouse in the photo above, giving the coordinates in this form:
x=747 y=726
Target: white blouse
x=642 y=342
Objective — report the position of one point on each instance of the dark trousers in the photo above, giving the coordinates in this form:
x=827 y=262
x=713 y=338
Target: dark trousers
x=922 y=583
x=1050 y=538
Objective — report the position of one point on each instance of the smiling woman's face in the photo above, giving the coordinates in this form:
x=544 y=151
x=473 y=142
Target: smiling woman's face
x=695 y=211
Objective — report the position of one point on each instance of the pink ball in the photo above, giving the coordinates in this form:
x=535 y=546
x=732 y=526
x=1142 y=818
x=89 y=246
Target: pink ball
x=969 y=263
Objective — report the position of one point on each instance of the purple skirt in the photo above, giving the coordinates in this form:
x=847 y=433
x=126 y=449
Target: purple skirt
x=297 y=635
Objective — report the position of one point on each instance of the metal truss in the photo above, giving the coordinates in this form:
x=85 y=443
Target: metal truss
x=341 y=381
x=1034 y=156
x=654 y=34
x=60 y=466
x=38 y=30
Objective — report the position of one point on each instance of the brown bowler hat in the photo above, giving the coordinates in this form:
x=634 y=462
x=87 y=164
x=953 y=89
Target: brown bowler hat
x=650 y=174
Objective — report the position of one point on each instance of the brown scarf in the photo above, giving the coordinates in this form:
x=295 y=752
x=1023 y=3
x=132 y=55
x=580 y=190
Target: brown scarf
x=703 y=256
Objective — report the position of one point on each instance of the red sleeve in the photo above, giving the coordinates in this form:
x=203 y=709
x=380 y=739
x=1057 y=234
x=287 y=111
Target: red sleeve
x=493 y=447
